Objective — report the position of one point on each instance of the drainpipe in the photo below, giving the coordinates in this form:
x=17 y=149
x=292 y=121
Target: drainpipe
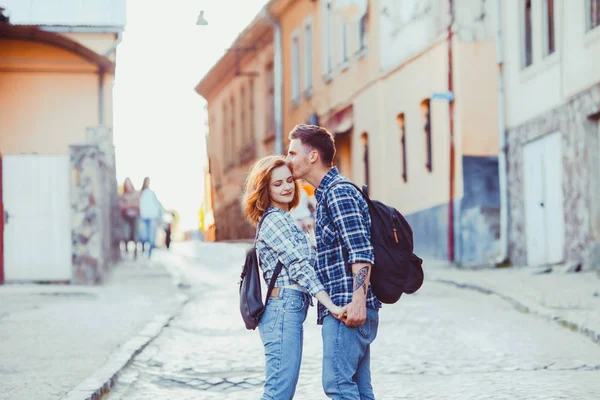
x=278 y=84
x=502 y=170
x=451 y=126
x=101 y=97
x=114 y=46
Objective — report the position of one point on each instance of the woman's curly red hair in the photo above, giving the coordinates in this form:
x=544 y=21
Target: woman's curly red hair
x=256 y=197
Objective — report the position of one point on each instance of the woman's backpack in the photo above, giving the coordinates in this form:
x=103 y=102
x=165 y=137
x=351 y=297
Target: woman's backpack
x=251 y=303
x=397 y=269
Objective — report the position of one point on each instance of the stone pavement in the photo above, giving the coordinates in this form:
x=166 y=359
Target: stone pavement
x=441 y=343
x=570 y=299
x=62 y=341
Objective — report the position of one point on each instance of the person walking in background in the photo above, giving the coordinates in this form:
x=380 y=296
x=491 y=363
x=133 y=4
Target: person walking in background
x=151 y=212
x=129 y=205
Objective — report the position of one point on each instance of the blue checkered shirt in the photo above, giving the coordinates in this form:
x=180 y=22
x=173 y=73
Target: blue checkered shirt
x=280 y=239
x=348 y=233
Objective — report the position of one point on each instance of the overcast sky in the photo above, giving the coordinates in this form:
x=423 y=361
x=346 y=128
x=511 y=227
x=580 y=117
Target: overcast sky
x=158 y=117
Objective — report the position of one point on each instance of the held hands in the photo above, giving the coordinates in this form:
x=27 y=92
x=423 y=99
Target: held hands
x=355 y=314
x=338 y=312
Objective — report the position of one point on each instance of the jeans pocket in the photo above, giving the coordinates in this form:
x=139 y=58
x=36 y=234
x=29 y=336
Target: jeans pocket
x=268 y=321
x=365 y=330
x=295 y=303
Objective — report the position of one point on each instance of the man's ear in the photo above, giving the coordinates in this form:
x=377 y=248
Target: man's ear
x=314 y=156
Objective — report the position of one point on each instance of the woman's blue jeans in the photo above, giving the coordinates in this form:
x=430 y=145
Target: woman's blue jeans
x=148 y=234
x=282 y=334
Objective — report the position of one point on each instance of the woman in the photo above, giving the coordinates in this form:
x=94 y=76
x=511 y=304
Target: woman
x=151 y=211
x=129 y=204
x=271 y=190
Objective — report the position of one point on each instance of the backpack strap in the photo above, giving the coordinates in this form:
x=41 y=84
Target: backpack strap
x=344 y=181
x=279 y=265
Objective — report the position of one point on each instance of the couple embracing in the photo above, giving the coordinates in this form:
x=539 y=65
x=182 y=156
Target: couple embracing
x=337 y=274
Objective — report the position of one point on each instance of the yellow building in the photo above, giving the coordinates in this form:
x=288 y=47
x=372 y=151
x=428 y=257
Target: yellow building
x=386 y=87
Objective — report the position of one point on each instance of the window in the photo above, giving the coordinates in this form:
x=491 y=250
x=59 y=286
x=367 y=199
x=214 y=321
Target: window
x=362 y=32
x=270 y=89
x=226 y=137
x=344 y=41
x=233 y=133
x=365 y=141
x=549 y=27
x=527 y=56
x=425 y=107
x=295 y=67
x=593 y=13
x=328 y=21
x=402 y=128
x=251 y=109
x=308 y=56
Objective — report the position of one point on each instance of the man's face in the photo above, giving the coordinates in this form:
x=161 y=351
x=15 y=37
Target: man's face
x=298 y=159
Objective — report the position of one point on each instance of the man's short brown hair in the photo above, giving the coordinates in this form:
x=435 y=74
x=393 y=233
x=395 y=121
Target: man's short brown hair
x=317 y=138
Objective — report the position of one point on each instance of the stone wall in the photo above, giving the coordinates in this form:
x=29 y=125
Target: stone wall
x=94 y=205
x=577 y=122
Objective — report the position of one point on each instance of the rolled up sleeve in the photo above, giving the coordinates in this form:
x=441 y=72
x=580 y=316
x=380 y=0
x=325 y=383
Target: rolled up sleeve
x=280 y=236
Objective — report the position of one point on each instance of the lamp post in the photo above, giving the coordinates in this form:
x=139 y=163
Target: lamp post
x=201 y=20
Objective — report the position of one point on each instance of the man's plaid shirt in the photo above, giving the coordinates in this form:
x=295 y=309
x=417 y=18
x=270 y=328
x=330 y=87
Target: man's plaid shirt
x=347 y=232
x=280 y=239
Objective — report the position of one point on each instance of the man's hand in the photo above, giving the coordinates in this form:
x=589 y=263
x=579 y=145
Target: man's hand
x=356 y=313
x=357 y=309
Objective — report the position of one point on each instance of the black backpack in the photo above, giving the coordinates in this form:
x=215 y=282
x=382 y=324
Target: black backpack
x=397 y=269
x=251 y=304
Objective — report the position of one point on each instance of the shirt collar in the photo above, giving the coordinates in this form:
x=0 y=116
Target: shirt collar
x=327 y=180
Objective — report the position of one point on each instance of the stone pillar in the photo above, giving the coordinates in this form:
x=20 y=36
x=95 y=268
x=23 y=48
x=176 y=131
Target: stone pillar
x=88 y=215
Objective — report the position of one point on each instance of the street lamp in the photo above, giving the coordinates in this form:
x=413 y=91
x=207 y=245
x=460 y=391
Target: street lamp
x=351 y=10
x=201 y=20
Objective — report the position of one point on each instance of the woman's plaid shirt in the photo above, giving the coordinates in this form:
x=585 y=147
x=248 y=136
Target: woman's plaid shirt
x=347 y=232
x=280 y=239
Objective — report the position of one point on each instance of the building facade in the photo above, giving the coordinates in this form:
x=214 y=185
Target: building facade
x=57 y=64
x=381 y=85
x=386 y=86
x=552 y=112
x=239 y=91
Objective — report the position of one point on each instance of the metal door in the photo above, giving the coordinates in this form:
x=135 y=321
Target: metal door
x=37 y=218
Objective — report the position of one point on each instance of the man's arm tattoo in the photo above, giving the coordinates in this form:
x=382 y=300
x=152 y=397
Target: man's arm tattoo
x=360 y=278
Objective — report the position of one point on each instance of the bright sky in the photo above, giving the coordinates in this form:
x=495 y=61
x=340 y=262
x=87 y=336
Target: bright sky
x=158 y=117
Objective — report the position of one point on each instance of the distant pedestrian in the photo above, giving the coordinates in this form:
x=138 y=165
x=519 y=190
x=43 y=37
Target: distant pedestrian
x=272 y=192
x=151 y=212
x=129 y=205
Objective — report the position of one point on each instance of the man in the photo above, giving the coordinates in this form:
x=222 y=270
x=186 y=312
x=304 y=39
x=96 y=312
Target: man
x=344 y=260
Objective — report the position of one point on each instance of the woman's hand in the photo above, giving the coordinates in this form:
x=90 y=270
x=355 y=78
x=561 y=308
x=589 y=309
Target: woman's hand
x=338 y=312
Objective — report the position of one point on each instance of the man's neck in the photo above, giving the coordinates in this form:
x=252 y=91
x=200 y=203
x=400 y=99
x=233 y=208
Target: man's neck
x=315 y=178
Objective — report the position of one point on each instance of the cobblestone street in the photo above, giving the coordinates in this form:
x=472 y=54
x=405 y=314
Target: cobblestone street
x=442 y=343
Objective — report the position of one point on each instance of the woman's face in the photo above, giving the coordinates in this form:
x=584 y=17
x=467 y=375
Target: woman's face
x=281 y=187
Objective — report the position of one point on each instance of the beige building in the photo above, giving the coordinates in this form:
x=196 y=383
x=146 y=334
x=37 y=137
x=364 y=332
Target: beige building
x=551 y=59
x=386 y=87
x=58 y=185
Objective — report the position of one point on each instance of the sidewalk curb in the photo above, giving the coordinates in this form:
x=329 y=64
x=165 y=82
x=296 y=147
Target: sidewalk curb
x=519 y=306
x=103 y=380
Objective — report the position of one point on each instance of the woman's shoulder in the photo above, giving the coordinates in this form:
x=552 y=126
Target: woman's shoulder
x=277 y=219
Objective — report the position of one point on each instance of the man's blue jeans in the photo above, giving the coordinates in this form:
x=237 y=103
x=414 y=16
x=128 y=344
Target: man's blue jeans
x=347 y=358
x=282 y=334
